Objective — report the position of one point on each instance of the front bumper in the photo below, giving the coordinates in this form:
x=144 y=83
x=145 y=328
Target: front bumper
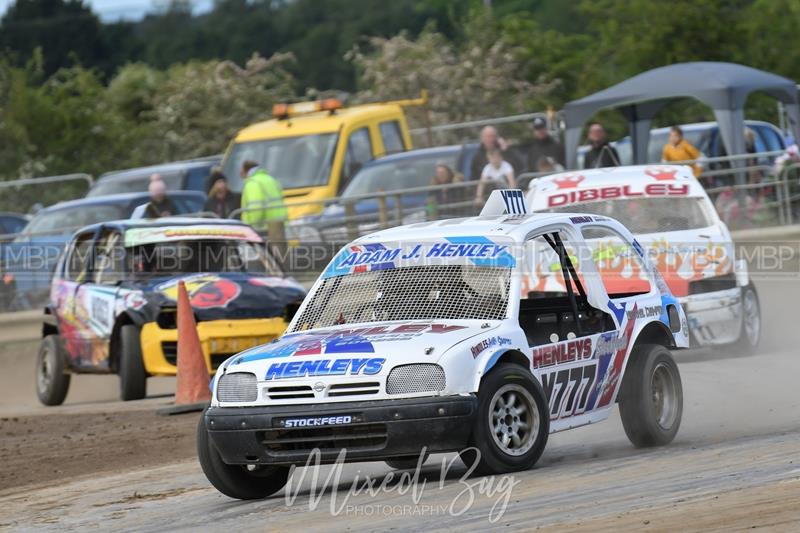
x=715 y=318
x=381 y=429
x=220 y=339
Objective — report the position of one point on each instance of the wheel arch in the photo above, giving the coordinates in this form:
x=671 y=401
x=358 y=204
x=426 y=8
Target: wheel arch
x=509 y=355
x=124 y=319
x=656 y=332
x=49 y=323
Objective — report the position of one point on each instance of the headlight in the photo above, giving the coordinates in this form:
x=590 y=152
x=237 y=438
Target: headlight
x=422 y=377
x=237 y=387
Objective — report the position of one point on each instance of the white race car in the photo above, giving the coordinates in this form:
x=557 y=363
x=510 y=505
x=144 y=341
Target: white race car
x=670 y=213
x=446 y=336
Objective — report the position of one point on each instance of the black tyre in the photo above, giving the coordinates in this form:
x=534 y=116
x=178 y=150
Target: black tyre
x=52 y=377
x=651 y=397
x=512 y=423
x=408 y=462
x=242 y=482
x=750 y=332
x=132 y=377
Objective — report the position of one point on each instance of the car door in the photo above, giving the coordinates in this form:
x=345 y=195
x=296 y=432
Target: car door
x=564 y=324
x=99 y=295
x=69 y=300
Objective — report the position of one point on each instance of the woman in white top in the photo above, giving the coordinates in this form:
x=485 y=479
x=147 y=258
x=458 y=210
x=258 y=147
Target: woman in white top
x=497 y=174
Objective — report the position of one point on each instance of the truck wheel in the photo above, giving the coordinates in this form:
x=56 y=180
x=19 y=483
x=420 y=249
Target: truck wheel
x=408 y=462
x=52 y=379
x=651 y=397
x=750 y=332
x=132 y=377
x=512 y=422
x=243 y=482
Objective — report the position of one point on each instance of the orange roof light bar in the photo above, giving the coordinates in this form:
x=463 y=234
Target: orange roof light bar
x=283 y=110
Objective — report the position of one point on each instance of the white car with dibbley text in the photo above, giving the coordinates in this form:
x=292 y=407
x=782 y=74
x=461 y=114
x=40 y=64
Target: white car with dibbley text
x=671 y=215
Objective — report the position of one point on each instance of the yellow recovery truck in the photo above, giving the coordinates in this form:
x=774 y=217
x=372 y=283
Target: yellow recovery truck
x=315 y=148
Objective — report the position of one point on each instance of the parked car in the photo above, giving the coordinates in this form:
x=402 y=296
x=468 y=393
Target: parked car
x=703 y=135
x=178 y=176
x=112 y=305
x=426 y=338
x=11 y=224
x=28 y=261
x=673 y=218
x=405 y=170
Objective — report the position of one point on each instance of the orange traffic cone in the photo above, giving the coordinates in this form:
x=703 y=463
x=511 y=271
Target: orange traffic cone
x=192 y=392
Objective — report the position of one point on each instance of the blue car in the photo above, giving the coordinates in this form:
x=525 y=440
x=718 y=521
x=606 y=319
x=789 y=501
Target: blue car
x=396 y=172
x=28 y=261
x=178 y=176
x=11 y=224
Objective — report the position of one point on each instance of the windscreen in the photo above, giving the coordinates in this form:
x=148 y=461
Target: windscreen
x=403 y=174
x=429 y=292
x=303 y=161
x=69 y=219
x=649 y=215
x=104 y=187
x=174 y=258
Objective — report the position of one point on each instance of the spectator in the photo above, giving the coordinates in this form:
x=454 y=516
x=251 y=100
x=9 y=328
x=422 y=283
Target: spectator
x=490 y=140
x=159 y=205
x=679 y=149
x=548 y=164
x=221 y=201
x=497 y=174
x=262 y=203
x=601 y=154
x=543 y=145
x=441 y=199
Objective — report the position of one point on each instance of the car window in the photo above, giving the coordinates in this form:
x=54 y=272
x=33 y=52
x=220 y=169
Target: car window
x=196 y=179
x=11 y=225
x=109 y=259
x=620 y=268
x=397 y=175
x=359 y=151
x=79 y=255
x=173 y=180
x=392 y=138
x=65 y=220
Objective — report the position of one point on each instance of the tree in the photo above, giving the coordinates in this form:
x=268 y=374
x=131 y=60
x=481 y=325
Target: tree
x=479 y=79
x=66 y=30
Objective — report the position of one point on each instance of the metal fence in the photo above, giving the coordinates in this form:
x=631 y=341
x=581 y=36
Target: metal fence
x=27 y=192
x=750 y=194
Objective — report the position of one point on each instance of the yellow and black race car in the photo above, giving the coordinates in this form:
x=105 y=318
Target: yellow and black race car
x=112 y=306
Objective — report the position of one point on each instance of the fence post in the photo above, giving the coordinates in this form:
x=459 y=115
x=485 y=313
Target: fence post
x=398 y=207
x=383 y=216
x=349 y=215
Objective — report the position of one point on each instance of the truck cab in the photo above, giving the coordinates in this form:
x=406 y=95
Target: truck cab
x=315 y=148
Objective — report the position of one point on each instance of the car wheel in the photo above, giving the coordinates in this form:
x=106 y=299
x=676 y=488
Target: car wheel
x=750 y=331
x=408 y=462
x=512 y=423
x=651 y=397
x=132 y=377
x=52 y=378
x=243 y=482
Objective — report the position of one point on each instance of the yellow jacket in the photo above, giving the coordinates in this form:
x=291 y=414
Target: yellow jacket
x=684 y=151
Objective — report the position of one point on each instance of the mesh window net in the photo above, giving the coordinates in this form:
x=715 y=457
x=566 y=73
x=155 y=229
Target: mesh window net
x=433 y=292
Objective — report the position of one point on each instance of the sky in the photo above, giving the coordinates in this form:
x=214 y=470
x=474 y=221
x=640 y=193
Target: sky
x=112 y=10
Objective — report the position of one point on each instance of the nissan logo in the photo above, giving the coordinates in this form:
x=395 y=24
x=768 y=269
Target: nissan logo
x=319 y=386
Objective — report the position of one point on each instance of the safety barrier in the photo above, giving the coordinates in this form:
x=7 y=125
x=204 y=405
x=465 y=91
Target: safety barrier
x=57 y=188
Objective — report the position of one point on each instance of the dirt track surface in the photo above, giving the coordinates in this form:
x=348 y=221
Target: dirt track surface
x=735 y=463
